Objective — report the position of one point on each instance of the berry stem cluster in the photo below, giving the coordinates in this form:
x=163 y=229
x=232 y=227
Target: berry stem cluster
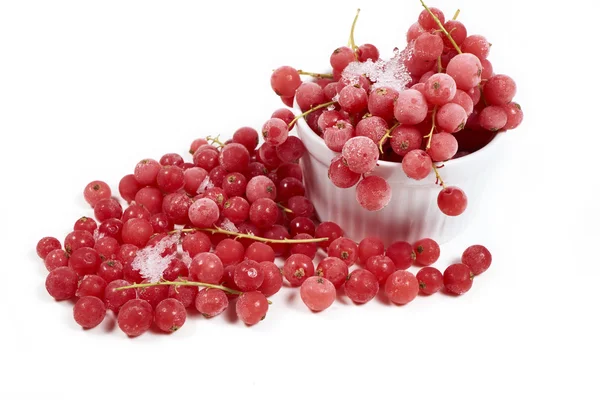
x=436 y=19
x=238 y=235
x=305 y=113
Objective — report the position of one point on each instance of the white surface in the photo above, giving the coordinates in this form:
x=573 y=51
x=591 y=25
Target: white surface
x=87 y=89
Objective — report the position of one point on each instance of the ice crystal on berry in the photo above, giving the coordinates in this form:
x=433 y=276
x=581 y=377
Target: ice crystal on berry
x=150 y=261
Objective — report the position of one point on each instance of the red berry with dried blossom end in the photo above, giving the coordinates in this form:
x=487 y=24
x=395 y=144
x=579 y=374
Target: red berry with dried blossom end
x=284 y=114
x=151 y=198
x=234 y=184
x=405 y=139
x=78 y=239
x=135 y=211
x=207 y=268
x=345 y=249
x=230 y=251
x=297 y=268
x=341 y=57
x=361 y=286
x=107 y=208
x=440 y=89
x=236 y=209
x=329 y=118
x=46 y=245
x=337 y=135
x=211 y=302
x=372 y=127
x=477 y=258
x=381 y=103
x=401 y=287
x=169 y=315
x=452 y=201
x=135 y=317
x=514 y=115
x=113 y=298
x=353 y=99
x=373 y=193
x=91 y=285
x=428 y=46
x=340 y=174
x=317 y=293
x=146 y=171
x=248 y=276
x=300 y=225
x=107 y=247
x=110 y=270
x=402 y=254
x=85 y=224
x=430 y=280
x=55 y=259
x=196 y=144
x=195 y=243
x=334 y=270
x=285 y=80
x=170 y=178
x=186 y=294
x=427 y=251
x=89 y=312
x=252 y=307
x=273 y=278
x=61 y=283
x=330 y=230
x=264 y=213
x=458 y=279
x=260 y=187
x=451 y=117
x=96 y=191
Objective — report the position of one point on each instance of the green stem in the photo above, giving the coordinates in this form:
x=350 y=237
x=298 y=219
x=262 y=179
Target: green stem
x=430 y=135
x=442 y=27
x=387 y=135
x=351 y=43
x=315 y=74
x=184 y=283
x=438 y=177
x=248 y=236
x=305 y=113
x=456 y=15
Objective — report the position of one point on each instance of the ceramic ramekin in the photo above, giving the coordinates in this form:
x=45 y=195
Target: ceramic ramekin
x=412 y=213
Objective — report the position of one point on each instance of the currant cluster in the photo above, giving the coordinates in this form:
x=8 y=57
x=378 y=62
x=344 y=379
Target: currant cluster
x=438 y=99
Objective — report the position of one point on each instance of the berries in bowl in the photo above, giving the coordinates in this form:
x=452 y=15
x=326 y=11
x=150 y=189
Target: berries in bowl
x=398 y=148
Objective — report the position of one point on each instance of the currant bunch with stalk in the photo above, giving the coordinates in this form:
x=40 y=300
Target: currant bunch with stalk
x=436 y=100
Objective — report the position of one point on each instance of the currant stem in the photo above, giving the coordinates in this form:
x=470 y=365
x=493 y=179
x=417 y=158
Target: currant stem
x=438 y=178
x=184 y=283
x=248 y=236
x=456 y=15
x=315 y=74
x=387 y=135
x=214 y=140
x=436 y=19
x=430 y=135
x=181 y=283
x=439 y=64
x=285 y=209
x=305 y=113
x=351 y=43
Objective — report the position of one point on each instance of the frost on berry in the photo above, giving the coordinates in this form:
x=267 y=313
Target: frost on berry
x=228 y=225
x=204 y=185
x=390 y=73
x=186 y=259
x=150 y=262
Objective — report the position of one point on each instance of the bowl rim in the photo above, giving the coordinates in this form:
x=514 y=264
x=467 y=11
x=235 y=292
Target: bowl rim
x=471 y=157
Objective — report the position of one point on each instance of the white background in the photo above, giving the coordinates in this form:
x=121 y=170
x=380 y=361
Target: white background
x=87 y=89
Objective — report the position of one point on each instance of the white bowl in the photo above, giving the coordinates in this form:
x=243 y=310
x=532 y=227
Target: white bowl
x=412 y=213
